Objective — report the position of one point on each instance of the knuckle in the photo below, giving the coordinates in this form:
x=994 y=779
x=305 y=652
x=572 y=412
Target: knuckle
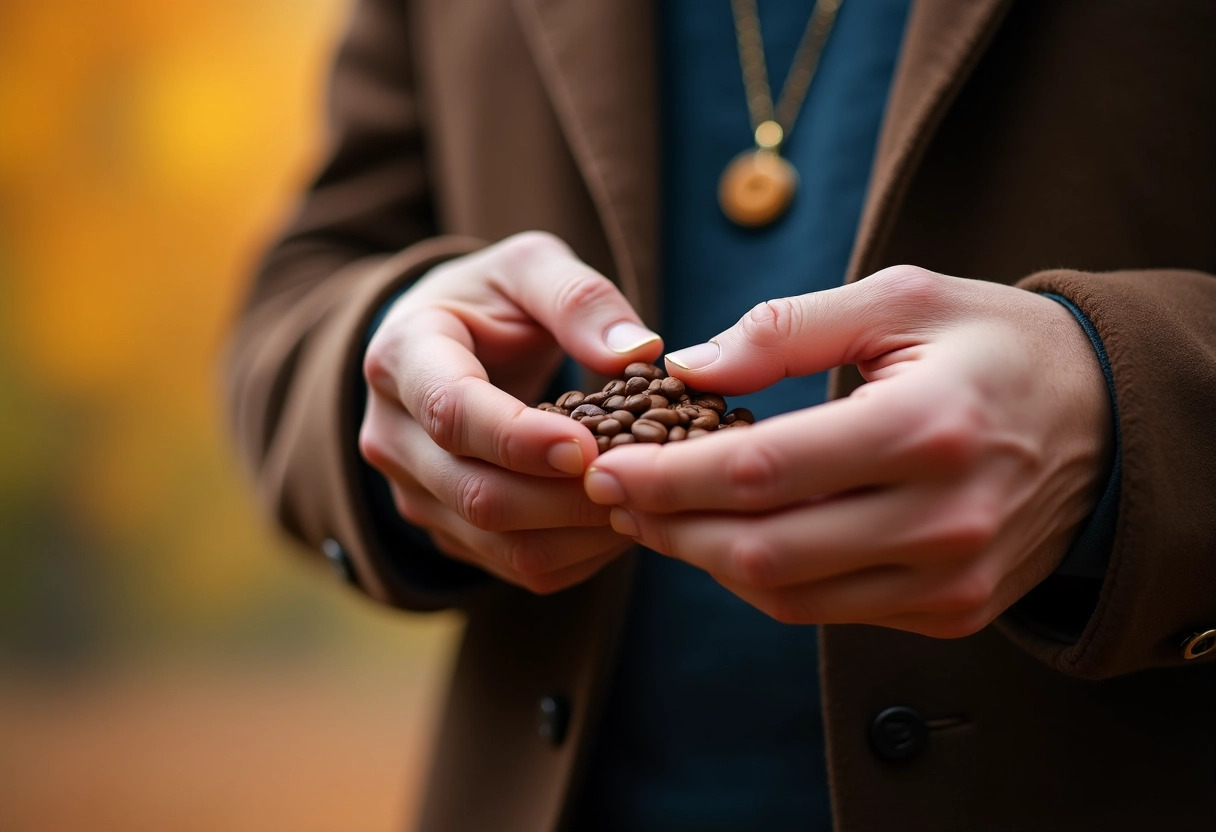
x=953 y=436
x=772 y=322
x=907 y=284
x=966 y=597
x=528 y=561
x=582 y=292
x=376 y=367
x=751 y=474
x=440 y=414
x=372 y=447
x=479 y=504
x=755 y=563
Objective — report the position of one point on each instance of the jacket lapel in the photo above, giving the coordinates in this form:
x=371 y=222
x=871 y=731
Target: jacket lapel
x=598 y=65
x=943 y=43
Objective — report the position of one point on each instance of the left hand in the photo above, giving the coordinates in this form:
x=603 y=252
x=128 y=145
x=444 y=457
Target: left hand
x=929 y=500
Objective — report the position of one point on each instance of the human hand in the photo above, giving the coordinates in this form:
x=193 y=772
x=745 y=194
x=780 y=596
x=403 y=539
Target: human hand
x=495 y=482
x=929 y=500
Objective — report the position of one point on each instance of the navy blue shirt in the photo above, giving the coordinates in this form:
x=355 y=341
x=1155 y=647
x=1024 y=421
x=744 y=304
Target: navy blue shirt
x=713 y=717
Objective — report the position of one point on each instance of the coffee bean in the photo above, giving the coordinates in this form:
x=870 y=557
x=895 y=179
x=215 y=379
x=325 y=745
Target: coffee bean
x=647 y=431
x=672 y=388
x=587 y=410
x=637 y=404
x=591 y=423
x=676 y=433
x=622 y=439
x=739 y=414
x=658 y=401
x=595 y=398
x=665 y=416
x=614 y=387
x=646 y=371
x=603 y=442
x=712 y=401
x=637 y=384
x=706 y=420
x=624 y=417
x=609 y=427
x=655 y=386
x=570 y=400
x=614 y=402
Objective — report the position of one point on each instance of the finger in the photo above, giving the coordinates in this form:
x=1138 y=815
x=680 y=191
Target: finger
x=440 y=382
x=902 y=527
x=806 y=334
x=893 y=435
x=542 y=561
x=482 y=495
x=953 y=602
x=585 y=311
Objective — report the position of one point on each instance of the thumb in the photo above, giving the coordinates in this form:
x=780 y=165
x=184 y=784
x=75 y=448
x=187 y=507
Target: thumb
x=585 y=312
x=786 y=337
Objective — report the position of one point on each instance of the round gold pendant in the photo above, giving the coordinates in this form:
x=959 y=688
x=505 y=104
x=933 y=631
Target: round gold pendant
x=756 y=187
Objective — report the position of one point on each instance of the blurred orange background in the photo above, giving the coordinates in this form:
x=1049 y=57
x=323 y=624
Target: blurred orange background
x=166 y=661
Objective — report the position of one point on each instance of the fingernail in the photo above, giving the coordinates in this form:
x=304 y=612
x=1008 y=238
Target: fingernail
x=623 y=522
x=603 y=488
x=695 y=357
x=566 y=457
x=626 y=337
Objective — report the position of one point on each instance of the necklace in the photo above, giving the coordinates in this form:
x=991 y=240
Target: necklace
x=758 y=185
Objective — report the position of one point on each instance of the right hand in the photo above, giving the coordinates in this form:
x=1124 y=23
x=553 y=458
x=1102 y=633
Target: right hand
x=496 y=483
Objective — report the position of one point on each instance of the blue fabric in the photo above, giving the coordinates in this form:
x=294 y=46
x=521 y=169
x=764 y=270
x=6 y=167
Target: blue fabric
x=713 y=718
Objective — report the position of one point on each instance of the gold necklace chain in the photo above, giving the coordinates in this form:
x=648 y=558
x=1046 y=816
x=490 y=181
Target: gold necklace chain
x=772 y=124
x=758 y=185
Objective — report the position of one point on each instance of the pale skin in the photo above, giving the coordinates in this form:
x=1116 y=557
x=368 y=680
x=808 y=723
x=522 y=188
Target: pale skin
x=929 y=500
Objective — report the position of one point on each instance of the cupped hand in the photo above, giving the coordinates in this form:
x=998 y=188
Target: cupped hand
x=929 y=500
x=495 y=482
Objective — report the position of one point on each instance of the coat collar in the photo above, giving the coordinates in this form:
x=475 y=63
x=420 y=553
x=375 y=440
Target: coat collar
x=598 y=64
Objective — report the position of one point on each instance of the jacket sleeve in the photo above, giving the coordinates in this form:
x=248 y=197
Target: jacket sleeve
x=364 y=229
x=1158 y=329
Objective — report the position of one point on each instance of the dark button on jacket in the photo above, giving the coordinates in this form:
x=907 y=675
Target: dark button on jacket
x=898 y=734
x=552 y=719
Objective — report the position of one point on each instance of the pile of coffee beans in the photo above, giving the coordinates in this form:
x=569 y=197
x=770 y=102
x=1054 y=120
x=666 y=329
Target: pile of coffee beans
x=647 y=405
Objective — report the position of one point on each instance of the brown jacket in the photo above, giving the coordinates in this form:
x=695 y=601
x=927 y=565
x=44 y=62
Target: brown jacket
x=1065 y=146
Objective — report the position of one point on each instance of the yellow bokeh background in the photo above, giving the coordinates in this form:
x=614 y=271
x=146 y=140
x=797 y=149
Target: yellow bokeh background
x=166 y=660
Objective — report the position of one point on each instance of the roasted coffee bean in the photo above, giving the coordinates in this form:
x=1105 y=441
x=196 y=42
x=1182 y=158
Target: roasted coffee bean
x=591 y=423
x=584 y=410
x=624 y=417
x=658 y=400
x=614 y=402
x=739 y=414
x=676 y=433
x=637 y=384
x=672 y=388
x=706 y=420
x=738 y=423
x=603 y=442
x=712 y=401
x=665 y=416
x=609 y=427
x=622 y=439
x=637 y=404
x=571 y=399
x=655 y=386
x=687 y=414
x=645 y=430
x=646 y=371
x=615 y=387
x=595 y=398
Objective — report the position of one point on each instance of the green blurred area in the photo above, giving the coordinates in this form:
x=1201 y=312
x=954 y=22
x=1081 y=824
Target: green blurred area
x=148 y=150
